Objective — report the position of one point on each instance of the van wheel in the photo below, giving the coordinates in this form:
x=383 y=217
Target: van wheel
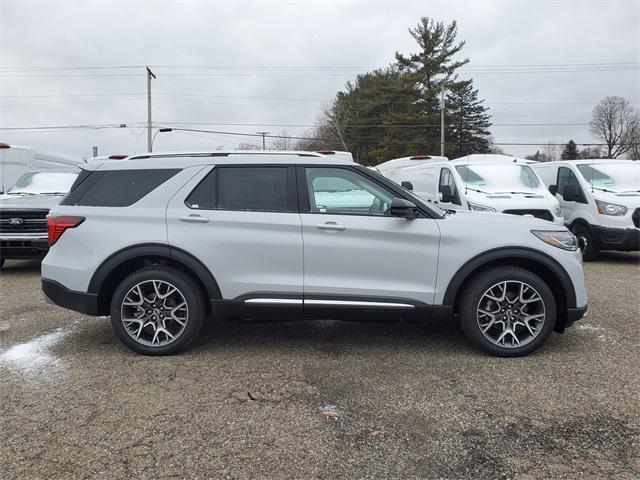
x=507 y=311
x=157 y=311
x=585 y=242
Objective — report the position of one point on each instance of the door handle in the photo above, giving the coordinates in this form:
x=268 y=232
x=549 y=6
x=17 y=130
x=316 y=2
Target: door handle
x=194 y=218
x=330 y=226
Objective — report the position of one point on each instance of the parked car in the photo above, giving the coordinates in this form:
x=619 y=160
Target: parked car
x=488 y=183
x=600 y=200
x=159 y=242
x=16 y=160
x=23 y=212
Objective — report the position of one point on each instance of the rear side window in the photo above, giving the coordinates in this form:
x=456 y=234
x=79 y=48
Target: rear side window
x=245 y=188
x=116 y=188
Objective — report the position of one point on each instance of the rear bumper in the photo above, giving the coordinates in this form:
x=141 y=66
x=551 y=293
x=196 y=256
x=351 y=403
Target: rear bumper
x=622 y=239
x=61 y=296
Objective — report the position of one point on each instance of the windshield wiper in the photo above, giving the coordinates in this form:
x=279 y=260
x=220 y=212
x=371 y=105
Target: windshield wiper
x=20 y=193
x=517 y=193
x=604 y=189
x=53 y=193
x=478 y=190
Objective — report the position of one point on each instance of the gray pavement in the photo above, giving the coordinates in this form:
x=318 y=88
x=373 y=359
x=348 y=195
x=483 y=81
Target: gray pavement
x=319 y=399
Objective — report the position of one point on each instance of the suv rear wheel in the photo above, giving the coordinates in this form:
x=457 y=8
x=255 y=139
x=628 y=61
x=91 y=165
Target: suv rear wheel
x=507 y=311
x=157 y=311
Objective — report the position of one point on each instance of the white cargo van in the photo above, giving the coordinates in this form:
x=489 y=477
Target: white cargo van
x=16 y=160
x=489 y=183
x=600 y=200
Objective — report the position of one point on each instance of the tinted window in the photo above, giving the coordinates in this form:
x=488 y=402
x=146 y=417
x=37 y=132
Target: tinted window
x=567 y=177
x=446 y=178
x=204 y=195
x=253 y=188
x=116 y=188
x=343 y=191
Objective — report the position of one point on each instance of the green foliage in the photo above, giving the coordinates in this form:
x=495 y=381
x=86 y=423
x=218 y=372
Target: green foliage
x=395 y=112
x=570 y=151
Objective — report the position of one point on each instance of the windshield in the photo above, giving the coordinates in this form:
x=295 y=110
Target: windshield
x=616 y=177
x=499 y=178
x=43 y=182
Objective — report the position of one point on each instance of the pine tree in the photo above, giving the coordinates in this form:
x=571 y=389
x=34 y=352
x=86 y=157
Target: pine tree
x=570 y=151
x=467 y=122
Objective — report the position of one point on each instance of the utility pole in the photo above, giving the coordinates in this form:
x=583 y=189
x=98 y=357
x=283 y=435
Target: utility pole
x=149 y=136
x=264 y=134
x=442 y=123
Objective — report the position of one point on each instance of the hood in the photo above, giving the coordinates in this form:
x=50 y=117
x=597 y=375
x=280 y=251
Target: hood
x=533 y=200
x=39 y=202
x=517 y=221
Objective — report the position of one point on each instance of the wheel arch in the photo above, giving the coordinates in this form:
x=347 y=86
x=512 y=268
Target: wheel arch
x=121 y=263
x=537 y=262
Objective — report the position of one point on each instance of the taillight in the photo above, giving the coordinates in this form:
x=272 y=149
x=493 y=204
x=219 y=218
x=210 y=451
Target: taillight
x=57 y=225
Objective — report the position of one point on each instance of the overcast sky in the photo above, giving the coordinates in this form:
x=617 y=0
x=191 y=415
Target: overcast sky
x=275 y=64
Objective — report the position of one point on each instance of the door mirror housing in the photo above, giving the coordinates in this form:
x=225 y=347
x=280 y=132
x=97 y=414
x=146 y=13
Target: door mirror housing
x=403 y=208
x=407 y=185
x=553 y=189
x=571 y=194
x=446 y=194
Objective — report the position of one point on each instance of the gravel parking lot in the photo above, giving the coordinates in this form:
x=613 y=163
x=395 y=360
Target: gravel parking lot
x=319 y=400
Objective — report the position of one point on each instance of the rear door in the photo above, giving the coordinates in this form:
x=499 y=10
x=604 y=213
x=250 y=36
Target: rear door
x=355 y=253
x=242 y=223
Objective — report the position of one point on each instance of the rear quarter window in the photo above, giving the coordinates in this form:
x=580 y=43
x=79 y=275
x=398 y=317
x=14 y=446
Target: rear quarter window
x=116 y=188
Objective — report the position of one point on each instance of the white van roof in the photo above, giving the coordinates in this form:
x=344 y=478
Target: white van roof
x=487 y=159
x=589 y=161
x=42 y=152
x=404 y=162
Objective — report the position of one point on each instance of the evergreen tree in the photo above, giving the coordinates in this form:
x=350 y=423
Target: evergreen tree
x=466 y=122
x=570 y=151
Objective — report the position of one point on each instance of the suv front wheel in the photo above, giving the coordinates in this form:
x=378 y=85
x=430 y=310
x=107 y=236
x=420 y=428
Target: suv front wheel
x=157 y=311
x=507 y=311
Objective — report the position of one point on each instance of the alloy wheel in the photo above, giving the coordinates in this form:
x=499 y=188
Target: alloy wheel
x=154 y=313
x=511 y=314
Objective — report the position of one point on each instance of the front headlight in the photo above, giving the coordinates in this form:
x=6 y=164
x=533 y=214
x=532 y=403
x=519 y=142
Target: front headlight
x=557 y=211
x=480 y=208
x=564 y=240
x=606 y=208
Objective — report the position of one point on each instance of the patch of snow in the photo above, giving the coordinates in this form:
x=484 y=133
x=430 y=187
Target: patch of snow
x=586 y=327
x=34 y=354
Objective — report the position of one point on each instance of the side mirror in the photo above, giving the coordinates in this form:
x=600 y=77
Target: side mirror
x=553 y=189
x=446 y=195
x=402 y=208
x=570 y=193
x=407 y=185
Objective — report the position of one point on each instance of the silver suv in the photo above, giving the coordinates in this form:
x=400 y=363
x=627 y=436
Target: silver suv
x=160 y=242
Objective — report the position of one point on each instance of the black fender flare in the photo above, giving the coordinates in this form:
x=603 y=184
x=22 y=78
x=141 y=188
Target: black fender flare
x=510 y=253
x=155 y=250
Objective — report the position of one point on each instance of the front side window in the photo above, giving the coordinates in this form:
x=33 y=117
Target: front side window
x=242 y=188
x=446 y=178
x=343 y=191
x=567 y=177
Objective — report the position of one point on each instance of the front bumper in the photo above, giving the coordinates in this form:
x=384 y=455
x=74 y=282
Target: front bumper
x=622 y=239
x=61 y=296
x=23 y=248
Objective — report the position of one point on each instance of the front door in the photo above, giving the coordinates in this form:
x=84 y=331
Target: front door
x=355 y=253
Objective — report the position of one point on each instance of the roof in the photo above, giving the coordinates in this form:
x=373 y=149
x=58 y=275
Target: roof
x=487 y=159
x=217 y=157
x=590 y=161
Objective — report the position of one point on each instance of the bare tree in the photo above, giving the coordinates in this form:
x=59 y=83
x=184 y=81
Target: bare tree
x=248 y=146
x=614 y=123
x=634 y=150
x=284 y=142
x=550 y=151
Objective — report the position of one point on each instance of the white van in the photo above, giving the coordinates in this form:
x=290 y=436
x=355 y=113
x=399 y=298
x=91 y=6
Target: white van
x=600 y=200
x=392 y=168
x=489 y=183
x=16 y=160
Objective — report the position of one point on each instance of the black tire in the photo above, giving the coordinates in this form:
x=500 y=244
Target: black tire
x=585 y=242
x=186 y=287
x=1 y=262
x=476 y=289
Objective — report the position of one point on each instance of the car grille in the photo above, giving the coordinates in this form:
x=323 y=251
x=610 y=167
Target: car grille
x=543 y=214
x=636 y=217
x=22 y=248
x=17 y=222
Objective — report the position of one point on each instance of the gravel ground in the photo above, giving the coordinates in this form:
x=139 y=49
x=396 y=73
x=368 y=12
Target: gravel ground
x=319 y=399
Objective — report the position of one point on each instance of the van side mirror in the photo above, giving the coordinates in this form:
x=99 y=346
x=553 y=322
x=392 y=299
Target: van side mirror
x=407 y=185
x=553 y=189
x=402 y=208
x=570 y=193
x=446 y=194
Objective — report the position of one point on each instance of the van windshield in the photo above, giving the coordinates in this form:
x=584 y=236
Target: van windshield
x=37 y=183
x=500 y=178
x=615 y=177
